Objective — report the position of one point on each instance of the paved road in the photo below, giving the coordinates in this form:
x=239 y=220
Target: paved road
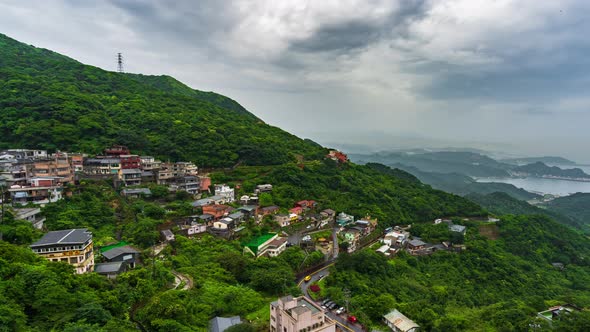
x=341 y=321
x=179 y=278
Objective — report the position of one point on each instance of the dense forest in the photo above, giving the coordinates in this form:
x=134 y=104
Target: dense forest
x=49 y=101
x=501 y=203
x=576 y=207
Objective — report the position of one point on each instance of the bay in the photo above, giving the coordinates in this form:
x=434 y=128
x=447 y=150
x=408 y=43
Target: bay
x=545 y=186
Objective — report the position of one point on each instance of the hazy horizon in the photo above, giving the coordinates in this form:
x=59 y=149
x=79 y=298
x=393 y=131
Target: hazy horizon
x=503 y=75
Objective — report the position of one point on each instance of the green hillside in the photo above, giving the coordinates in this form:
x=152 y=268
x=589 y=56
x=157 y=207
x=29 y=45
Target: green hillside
x=53 y=102
x=576 y=207
x=392 y=196
x=501 y=203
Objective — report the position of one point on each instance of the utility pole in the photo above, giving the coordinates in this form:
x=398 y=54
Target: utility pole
x=3 y=197
x=120 y=62
x=346 y=297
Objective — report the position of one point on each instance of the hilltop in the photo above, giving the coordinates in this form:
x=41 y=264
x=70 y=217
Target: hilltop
x=50 y=101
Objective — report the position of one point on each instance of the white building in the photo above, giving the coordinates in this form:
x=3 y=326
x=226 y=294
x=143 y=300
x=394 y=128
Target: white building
x=398 y=322
x=289 y=314
x=226 y=192
x=31 y=215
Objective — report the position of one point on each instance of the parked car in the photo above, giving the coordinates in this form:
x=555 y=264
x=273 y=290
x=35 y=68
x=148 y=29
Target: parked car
x=334 y=306
x=321 y=276
x=328 y=305
x=340 y=311
x=326 y=301
x=352 y=319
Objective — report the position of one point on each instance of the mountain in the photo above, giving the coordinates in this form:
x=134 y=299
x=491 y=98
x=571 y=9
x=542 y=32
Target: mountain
x=546 y=160
x=50 y=101
x=501 y=203
x=460 y=184
x=542 y=170
x=467 y=163
x=53 y=102
x=576 y=207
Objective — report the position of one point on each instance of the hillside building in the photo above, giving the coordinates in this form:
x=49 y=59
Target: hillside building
x=289 y=314
x=73 y=246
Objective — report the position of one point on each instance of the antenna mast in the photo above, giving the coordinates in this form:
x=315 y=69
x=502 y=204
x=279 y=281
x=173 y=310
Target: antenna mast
x=120 y=62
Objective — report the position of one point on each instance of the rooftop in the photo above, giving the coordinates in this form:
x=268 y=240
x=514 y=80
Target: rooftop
x=417 y=243
x=22 y=213
x=112 y=246
x=132 y=191
x=110 y=254
x=257 y=242
x=400 y=321
x=220 y=324
x=457 y=228
x=67 y=236
x=303 y=305
x=131 y=171
x=111 y=267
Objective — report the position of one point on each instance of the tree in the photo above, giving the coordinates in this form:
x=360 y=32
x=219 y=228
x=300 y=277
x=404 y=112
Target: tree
x=242 y=327
x=265 y=199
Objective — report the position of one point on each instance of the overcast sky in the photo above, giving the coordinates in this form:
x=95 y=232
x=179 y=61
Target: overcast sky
x=506 y=75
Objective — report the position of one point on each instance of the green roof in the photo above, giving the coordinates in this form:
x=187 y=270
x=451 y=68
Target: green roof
x=113 y=246
x=256 y=242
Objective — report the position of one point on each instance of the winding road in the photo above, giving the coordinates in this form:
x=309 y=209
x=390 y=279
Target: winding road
x=341 y=321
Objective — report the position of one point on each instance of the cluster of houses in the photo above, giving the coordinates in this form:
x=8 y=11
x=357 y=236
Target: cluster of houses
x=352 y=232
x=34 y=176
x=399 y=238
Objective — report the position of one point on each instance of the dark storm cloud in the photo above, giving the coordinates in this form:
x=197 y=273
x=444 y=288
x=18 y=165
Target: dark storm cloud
x=516 y=81
x=192 y=22
x=341 y=37
x=349 y=36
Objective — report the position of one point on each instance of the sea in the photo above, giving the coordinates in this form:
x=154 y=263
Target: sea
x=547 y=186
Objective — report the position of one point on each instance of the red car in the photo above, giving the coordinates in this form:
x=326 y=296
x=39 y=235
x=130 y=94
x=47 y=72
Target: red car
x=352 y=319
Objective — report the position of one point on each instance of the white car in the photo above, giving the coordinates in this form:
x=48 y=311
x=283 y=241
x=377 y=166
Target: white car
x=340 y=311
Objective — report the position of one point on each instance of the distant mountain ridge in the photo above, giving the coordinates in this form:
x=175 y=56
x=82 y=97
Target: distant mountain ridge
x=541 y=170
x=546 y=160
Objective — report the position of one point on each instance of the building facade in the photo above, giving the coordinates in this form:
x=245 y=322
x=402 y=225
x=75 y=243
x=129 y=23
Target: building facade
x=289 y=314
x=73 y=246
x=226 y=192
